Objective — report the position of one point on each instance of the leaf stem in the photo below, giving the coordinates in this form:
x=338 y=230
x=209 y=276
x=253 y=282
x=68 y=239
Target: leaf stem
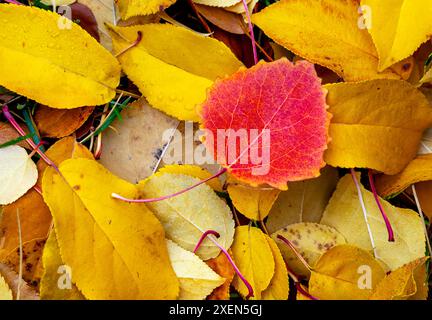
x=294 y=249
x=231 y=261
x=205 y=235
x=384 y=215
x=119 y=197
x=251 y=31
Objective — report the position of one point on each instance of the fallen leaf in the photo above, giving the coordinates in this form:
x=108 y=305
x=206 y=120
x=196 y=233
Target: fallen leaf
x=132 y=8
x=187 y=216
x=345 y=272
x=60 y=68
x=324 y=32
x=197 y=280
x=399 y=284
x=395 y=31
x=59 y=123
x=278 y=289
x=132 y=264
x=311 y=241
x=254 y=258
x=18 y=173
x=172 y=66
x=225 y=20
x=290 y=111
x=304 y=201
x=55 y=274
x=418 y=170
x=12 y=280
x=133 y=149
x=344 y=213
x=5 y=291
x=217 y=3
x=8 y=133
x=376 y=124
x=424 y=193
x=223 y=267
x=254 y=203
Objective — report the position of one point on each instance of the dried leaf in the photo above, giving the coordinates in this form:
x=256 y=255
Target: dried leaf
x=223 y=267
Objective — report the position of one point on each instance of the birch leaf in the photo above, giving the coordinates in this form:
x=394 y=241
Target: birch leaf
x=58 y=67
x=197 y=280
x=187 y=216
x=254 y=257
x=324 y=32
x=344 y=213
x=398 y=28
x=376 y=124
x=338 y=274
x=18 y=173
x=172 y=66
x=132 y=260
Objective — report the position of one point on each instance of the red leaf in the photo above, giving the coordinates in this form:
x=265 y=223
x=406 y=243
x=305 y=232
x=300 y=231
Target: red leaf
x=287 y=101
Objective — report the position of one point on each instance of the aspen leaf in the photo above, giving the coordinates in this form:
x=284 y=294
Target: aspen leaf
x=59 y=123
x=5 y=291
x=418 y=170
x=254 y=257
x=344 y=213
x=8 y=133
x=278 y=289
x=304 y=201
x=58 y=67
x=193 y=171
x=225 y=20
x=55 y=273
x=311 y=240
x=376 y=124
x=345 y=272
x=197 y=280
x=254 y=203
x=187 y=216
x=324 y=32
x=398 y=28
x=290 y=112
x=239 y=7
x=132 y=8
x=132 y=260
x=424 y=193
x=399 y=284
x=173 y=67
x=57 y=2
x=18 y=173
x=13 y=280
x=223 y=267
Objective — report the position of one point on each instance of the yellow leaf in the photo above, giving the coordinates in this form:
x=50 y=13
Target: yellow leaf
x=132 y=8
x=122 y=244
x=278 y=289
x=324 y=32
x=253 y=256
x=172 y=66
x=311 y=240
x=18 y=173
x=57 y=2
x=399 y=284
x=418 y=170
x=56 y=66
x=344 y=213
x=345 y=272
x=398 y=28
x=5 y=291
x=376 y=124
x=304 y=201
x=218 y=3
x=197 y=280
x=223 y=267
x=193 y=171
x=254 y=203
x=55 y=273
x=187 y=216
